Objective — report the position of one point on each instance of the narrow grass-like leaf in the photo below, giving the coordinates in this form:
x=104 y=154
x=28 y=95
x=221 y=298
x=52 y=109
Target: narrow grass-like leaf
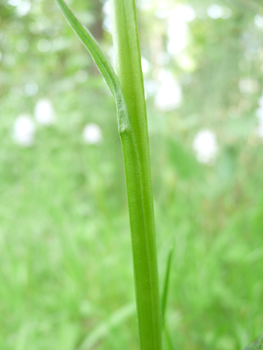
x=166 y=283
x=165 y=297
x=128 y=66
x=256 y=345
x=132 y=123
x=102 y=330
x=102 y=63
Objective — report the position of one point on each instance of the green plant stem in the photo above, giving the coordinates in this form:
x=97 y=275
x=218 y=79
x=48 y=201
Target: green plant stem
x=138 y=180
x=132 y=124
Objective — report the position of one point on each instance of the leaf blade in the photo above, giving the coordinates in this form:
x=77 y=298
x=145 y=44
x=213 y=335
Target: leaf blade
x=103 y=329
x=166 y=283
x=139 y=187
x=90 y=43
x=101 y=62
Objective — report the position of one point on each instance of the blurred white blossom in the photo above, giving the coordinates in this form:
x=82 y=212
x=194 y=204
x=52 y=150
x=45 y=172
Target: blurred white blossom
x=150 y=87
x=205 y=146
x=145 y=65
x=248 y=86
x=216 y=11
x=44 y=112
x=169 y=93
x=107 y=18
x=92 y=134
x=178 y=28
x=258 y=21
x=24 y=130
x=187 y=12
x=22 y=6
x=186 y=62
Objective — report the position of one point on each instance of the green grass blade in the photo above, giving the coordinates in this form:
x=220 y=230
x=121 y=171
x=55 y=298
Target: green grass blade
x=102 y=330
x=169 y=342
x=132 y=123
x=102 y=63
x=166 y=283
x=128 y=67
x=256 y=345
x=139 y=187
x=91 y=44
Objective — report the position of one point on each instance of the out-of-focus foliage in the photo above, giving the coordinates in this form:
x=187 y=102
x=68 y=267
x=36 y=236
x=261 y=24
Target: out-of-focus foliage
x=65 y=260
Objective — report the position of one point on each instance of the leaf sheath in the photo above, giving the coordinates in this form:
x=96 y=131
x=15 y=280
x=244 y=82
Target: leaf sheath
x=128 y=66
x=132 y=124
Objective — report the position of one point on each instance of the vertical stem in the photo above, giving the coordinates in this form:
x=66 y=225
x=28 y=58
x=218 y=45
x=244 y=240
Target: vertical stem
x=138 y=179
x=132 y=124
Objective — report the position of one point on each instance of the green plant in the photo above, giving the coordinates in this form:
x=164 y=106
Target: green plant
x=127 y=89
x=128 y=92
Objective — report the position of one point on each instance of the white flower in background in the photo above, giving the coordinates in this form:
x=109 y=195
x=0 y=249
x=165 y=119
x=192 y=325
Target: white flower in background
x=169 y=93
x=205 y=146
x=248 y=86
x=187 y=12
x=216 y=11
x=22 y=6
x=258 y=21
x=145 y=4
x=92 y=134
x=178 y=28
x=145 y=65
x=186 y=62
x=24 y=130
x=150 y=87
x=44 y=112
x=107 y=18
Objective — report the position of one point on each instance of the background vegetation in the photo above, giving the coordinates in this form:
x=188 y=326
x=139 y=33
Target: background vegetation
x=66 y=272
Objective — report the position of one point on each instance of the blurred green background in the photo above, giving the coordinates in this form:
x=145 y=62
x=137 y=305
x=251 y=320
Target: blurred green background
x=66 y=277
